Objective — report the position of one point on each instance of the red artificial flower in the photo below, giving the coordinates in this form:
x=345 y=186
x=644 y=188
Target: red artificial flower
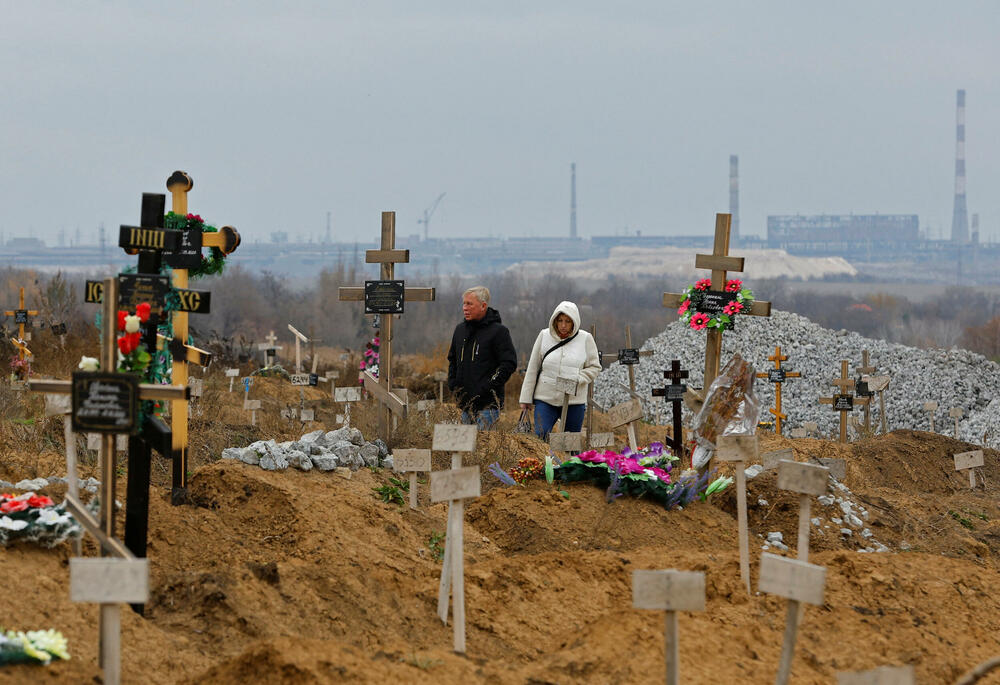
x=733 y=307
x=734 y=286
x=703 y=284
x=699 y=321
x=121 y=320
x=128 y=343
x=39 y=501
x=123 y=345
x=6 y=495
x=13 y=506
x=142 y=311
x=684 y=307
x=195 y=217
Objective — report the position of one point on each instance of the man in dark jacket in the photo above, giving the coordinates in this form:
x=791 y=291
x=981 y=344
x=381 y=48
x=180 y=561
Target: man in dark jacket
x=480 y=360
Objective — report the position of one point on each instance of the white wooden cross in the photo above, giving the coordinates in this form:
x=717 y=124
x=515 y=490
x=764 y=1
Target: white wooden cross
x=883 y=675
x=269 y=348
x=440 y=377
x=299 y=339
x=740 y=449
x=387 y=256
x=412 y=461
x=719 y=262
x=454 y=486
x=670 y=591
x=969 y=461
x=798 y=581
x=956 y=413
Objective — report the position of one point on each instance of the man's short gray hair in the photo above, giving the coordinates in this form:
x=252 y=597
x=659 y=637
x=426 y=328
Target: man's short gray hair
x=481 y=292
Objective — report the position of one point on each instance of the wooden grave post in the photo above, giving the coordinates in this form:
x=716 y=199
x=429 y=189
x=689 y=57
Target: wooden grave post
x=595 y=440
x=740 y=449
x=956 y=413
x=930 y=407
x=61 y=405
x=412 y=461
x=879 y=384
x=670 y=591
x=674 y=394
x=331 y=377
x=22 y=317
x=807 y=480
x=883 y=675
x=299 y=338
x=799 y=582
x=562 y=440
x=346 y=396
x=454 y=486
x=629 y=357
x=778 y=376
x=843 y=401
x=862 y=386
x=386 y=297
x=232 y=374
x=249 y=405
x=719 y=262
x=269 y=349
x=969 y=461
x=187 y=256
x=440 y=377
x=197 y=386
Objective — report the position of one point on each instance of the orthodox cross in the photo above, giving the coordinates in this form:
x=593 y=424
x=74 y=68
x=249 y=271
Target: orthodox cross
x=269 y=348
x=778 y=375
x=843 y=401
x=863 y=386
x=719 y=262
x=387 y=256
x=674 y=394
x=22 y=317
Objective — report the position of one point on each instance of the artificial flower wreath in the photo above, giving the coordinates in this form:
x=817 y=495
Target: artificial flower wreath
x=693 y=296
x=214 y=263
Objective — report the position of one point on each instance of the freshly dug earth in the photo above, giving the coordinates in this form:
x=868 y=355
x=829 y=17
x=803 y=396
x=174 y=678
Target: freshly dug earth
x=290 y=577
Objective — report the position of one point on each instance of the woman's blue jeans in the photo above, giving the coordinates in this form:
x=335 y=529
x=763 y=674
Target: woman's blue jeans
x=546 y=416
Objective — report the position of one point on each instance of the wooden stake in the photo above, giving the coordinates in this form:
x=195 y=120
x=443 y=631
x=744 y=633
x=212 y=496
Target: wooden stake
x=670 y=591
x=797 y=581
x=740 y=449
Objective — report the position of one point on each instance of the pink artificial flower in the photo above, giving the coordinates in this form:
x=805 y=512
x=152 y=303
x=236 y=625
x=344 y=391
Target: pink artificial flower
x=734 y=286
x=703 y=284
x=661 y=474
x=733 y=307
x=684 y=307
x=699 y=321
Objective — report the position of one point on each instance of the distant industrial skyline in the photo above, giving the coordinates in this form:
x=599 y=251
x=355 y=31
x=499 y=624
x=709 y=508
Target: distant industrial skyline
x=293 y=112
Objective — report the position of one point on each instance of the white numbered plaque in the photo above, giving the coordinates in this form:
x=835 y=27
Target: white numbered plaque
x=968 y=460
x=806 y=479
x=791 y=578
x=450 y=437
x=460 y=483
x=109 y=581
x=347 y=394
x=668 y=590
x=626 y=412
x=411 y=460
x=736 y=448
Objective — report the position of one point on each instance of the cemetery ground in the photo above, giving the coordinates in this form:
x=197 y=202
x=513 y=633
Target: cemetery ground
x=309 y=577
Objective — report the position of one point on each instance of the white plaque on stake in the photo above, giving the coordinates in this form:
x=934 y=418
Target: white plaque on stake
x=299 y=378
x=251 y=405
x=566 y=442
x=878 y=383
x=424 y=405
x=883 y=675
x=626 y=412
x=109 y=581
x=602 y=440
x=94 y=442
x=772 y=458
x=930 y=406
x=566 y=386
x=736 y=448
x=411 y=460
x=232 y=373
x=58 y=404
x=968 y=460
x=461 y=483
x=197 y=386
x=791 y=578
x=668 y=590
x=332 y=374
x=307 y=415
x=956 y=412
x=347 y=394
x=451 y=437
x=836 y=466
x=796 y=433
x=806 y=479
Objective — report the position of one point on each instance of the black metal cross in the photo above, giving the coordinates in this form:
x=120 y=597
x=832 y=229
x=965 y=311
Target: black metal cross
x=674 y=393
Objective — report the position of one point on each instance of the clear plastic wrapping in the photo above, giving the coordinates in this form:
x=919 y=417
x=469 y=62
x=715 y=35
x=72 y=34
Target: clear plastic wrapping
x=730 y=408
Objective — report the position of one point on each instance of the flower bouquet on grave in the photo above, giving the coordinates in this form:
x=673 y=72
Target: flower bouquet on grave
x=730 y=408
x=35 y=518
x=133 y=356
x=646 y=473
x=695 y=294
x=32 y=647
x=20 y=369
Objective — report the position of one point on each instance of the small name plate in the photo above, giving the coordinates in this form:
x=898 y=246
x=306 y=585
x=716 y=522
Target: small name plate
x=791 y=578
x=134 y=289
x=861 y=389
x=232 y=373
x=668 y=590
x=332 y=374
x=843 y=402
x=194 y=301
x=197 y=386
x=109 y=581
x=299 y=378
x=157 y=239
x=105 y=402
x=671 y=393
x=347 y=394
x=930 y=406
x=59 y=329
x=771 y=459
x=411 y=460
x=188 y=252
x=251 y=405
x=450 y=437
x=384 y=297
x=968 y=460
x=602 y=439
x=455 y=484
x=424 y=405
x=307 y=415
x=956 y=412
x=20 y=316
x=736 y=448
x=629 y=356
x=566 y=442
x=626 y=412
x=776 y=375
x=806 y=479
x=314 y=379
x=712 y=301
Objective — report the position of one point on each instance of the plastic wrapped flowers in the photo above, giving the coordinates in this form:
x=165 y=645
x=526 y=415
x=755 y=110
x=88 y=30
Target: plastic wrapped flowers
x=646 y=473
x=34 y=646
x=35 y=518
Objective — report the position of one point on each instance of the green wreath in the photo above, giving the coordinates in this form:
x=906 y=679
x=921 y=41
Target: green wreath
x=216 y=261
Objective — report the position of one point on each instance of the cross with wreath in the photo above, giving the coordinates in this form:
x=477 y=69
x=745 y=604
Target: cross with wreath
x=22 y=317
x=714 y=303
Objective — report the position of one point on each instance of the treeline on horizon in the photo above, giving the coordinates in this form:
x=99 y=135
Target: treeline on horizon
x=247 y=305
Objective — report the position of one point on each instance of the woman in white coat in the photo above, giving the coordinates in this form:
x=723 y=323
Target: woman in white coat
x=560 y=351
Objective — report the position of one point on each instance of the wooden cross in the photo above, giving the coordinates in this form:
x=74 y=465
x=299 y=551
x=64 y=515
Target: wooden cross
x=720 y=263
x=226 y=239
x=387 y=256
x=674 y=394
x=22 y=317
x=299 y=338
x=454 y=487
x=629 y=357
x=269 y=348
x=863 y=389
x=778 y=375
x=670 y=591
x=562 y=440
x=844 y=401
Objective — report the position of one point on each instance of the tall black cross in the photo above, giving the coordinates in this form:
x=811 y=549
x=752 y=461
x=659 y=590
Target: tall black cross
x=674 y=393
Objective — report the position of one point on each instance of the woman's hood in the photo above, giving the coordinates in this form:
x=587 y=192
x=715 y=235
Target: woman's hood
x=569 y=309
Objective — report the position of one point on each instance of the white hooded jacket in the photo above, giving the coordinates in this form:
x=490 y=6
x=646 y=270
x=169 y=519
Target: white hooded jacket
x=577 y=360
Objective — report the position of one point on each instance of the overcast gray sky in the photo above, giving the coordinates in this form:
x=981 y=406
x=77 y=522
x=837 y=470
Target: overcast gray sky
x=282 y=111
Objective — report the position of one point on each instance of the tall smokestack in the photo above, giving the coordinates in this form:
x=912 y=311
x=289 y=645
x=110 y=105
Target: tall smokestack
x=572 y=200
x=734 y=198
x=960 y=217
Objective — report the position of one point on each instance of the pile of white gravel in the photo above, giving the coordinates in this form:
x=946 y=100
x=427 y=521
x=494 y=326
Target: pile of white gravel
x=952 y=378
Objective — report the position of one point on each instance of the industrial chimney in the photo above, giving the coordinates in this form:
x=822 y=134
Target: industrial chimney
x=572 y=200
x=960 y=217
x=734 y=198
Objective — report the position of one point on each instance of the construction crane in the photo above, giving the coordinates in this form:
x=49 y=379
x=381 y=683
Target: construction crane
x=428 y=213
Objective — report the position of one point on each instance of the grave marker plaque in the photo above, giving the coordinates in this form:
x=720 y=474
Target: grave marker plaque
x=299 y=379
x=772 y=459
x=20 y=316
x=626 y=412
x=105 y=402
x=460 y=483
x=449 y=437
x=776 y=375
x=883 y=675
x=412 y=461
x=109 y=580
x=628 y=356
x=843 y=403
x=793 y=579
x=188 y=252
x=347 y=394
x=307 y=415
x=669 y=591
x=384 y=297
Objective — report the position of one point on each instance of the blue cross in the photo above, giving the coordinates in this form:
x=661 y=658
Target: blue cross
x=247 y=382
